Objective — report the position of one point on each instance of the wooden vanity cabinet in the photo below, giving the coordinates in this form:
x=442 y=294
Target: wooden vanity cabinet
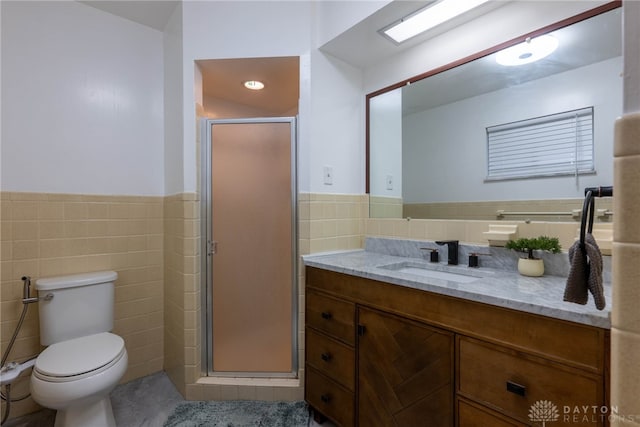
x=386 y=355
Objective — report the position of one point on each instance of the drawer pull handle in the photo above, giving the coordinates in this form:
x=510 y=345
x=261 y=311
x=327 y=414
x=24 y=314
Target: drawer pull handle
x=326 y=315
x=325 y=398
x=326 y=356
x=514 y=388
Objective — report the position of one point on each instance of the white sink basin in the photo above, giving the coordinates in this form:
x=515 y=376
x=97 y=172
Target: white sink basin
x=433 y=273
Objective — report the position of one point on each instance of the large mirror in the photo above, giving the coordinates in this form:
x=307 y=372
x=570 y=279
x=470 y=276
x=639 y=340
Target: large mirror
x=434 y=147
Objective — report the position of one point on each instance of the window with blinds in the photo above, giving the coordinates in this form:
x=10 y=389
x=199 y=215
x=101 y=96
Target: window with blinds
x=558 y=144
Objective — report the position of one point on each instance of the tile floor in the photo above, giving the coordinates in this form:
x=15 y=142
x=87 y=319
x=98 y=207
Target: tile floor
x=145 y=402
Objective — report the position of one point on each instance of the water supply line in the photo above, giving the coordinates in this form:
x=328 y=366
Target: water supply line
x=26 y=300
x=7 y=406
x=9 y=372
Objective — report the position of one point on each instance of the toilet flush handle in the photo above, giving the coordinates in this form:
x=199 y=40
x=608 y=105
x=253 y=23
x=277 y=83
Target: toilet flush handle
x=26 y=293
x=47 y=297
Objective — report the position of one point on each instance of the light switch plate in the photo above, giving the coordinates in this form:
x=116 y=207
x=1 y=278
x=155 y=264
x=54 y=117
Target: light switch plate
x=327 y=172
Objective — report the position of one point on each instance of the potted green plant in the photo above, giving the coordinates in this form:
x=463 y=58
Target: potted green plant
x=531 y=265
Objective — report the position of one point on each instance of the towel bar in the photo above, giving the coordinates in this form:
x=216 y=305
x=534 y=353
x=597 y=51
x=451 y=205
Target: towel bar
x=588 y=208
x=574 y=213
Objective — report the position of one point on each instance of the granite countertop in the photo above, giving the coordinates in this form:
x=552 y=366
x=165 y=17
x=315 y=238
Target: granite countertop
x=537 y=295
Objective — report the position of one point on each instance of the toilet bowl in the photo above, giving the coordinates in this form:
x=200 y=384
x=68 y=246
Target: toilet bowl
x=76 y=376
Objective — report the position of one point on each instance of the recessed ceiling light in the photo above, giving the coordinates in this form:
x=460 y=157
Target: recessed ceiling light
x=530 y=50
x=254 y=84
x=429 y=17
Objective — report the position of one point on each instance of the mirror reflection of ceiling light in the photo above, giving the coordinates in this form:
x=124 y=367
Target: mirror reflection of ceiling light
x=254 y=84
x=530 y=50
x=427 y=18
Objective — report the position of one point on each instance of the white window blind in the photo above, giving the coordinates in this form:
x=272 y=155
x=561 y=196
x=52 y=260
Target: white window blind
x=558 y=144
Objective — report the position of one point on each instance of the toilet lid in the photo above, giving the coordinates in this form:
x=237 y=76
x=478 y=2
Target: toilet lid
x=79 y=355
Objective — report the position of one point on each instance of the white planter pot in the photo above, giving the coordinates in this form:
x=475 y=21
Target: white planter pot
x=531 y=267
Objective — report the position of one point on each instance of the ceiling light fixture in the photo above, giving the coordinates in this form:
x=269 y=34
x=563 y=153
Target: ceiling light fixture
x=530 y=50
x=254 y=84
x=427 y=18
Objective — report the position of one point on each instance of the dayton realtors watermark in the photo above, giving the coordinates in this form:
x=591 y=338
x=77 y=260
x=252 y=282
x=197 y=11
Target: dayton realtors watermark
x=594 y=414
x=545 y=411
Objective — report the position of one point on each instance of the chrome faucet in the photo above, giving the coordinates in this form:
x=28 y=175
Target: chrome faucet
x=452 y=251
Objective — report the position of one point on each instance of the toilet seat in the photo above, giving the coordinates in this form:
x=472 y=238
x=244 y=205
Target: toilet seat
x=79 y=358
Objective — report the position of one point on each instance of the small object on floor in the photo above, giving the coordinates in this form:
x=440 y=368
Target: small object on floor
x=243 y=413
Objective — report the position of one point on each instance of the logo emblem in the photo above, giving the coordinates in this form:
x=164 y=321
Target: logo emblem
x=543 y=411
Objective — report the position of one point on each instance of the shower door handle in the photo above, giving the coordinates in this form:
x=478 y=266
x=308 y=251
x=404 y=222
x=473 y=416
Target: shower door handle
x=212 y=247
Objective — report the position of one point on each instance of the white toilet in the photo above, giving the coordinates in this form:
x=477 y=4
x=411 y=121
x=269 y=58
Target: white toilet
x=83 y=361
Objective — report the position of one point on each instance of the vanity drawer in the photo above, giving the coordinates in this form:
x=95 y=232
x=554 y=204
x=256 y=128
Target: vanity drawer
x=329 y=398
x=330 y=357
x=330 y=315
x=473 y=415
x=511 y=382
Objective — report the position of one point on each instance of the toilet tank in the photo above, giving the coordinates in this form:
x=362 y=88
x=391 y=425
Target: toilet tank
x=80 y=305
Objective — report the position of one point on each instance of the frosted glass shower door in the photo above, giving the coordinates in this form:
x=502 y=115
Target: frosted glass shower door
x=252 y=267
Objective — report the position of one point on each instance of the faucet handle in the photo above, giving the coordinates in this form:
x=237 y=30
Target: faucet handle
x=434 y=256
x=473 y=259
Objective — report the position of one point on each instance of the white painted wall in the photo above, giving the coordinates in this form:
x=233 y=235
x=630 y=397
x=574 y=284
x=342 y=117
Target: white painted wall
x=445 y=154
x=304 y=130
x=173 y=96
x=336 y=109
x=631 y=16
x=385 y=140
x=334 y=17
x=82 y=101
x=337 y=125
x=1 y=44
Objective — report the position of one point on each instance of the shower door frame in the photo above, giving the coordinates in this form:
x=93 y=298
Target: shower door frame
x=207 y=247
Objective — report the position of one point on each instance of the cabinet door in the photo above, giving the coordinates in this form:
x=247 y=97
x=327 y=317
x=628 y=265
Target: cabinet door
x=405 y=372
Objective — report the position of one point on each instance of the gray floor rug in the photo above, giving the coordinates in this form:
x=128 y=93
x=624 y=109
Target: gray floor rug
x=239 y=413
